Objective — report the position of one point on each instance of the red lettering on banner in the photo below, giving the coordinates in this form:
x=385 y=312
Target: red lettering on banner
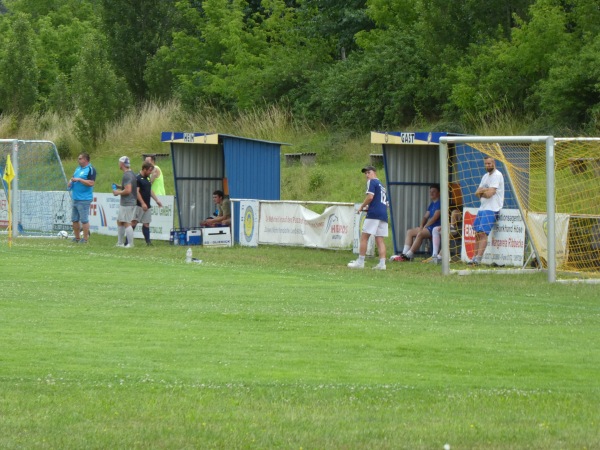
x=469 y=234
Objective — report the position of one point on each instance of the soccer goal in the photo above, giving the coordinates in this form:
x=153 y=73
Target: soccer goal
x=551 y=214
x=39 y=201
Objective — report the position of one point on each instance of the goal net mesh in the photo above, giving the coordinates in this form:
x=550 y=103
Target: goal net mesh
x=40 y=203
x=577 y=184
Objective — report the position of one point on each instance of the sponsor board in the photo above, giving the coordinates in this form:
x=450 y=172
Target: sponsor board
x=105 y=209
x=248 y=225
x=284 y=223
x=506 y=242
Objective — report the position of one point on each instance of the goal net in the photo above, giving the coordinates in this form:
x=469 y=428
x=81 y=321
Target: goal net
x=551 y=190
x=40 y=202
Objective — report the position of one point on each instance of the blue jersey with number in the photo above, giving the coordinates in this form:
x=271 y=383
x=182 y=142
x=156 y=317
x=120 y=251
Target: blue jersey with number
x=378 y=206
x=79 y=190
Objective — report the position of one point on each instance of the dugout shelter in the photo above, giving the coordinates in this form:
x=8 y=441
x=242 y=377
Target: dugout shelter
x=411 y=163
x=204 y=162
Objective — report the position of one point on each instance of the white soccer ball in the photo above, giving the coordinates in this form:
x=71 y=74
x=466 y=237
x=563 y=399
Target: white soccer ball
x=63 y=234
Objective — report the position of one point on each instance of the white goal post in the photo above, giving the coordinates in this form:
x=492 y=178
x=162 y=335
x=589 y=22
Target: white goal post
x=548 y=142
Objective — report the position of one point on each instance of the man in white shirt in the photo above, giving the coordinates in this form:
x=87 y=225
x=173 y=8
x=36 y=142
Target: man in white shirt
x=491 y=193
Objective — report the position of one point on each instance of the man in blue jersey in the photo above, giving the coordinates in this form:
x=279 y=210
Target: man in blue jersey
x=81 y=186
x=376 y=222
x=430 y=220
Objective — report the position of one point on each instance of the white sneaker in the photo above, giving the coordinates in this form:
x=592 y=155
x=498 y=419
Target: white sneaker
x=356 y=264
x=129 y=246
x=120 y=245
x=379 y=267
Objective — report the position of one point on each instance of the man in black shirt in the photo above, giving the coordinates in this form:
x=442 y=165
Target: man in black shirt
x=143 y=212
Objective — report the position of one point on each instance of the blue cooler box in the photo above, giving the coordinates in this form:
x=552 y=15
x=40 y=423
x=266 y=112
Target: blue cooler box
x=194 y=237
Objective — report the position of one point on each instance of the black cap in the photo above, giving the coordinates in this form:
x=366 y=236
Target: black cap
x=367 y=168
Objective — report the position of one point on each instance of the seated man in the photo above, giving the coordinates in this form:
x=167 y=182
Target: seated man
x=430 y=220
x=223 y=218
x=436 y=236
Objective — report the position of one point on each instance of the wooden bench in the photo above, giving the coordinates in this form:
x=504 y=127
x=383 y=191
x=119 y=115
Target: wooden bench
x=292 y=158
x=580 y=165
x=306 y=159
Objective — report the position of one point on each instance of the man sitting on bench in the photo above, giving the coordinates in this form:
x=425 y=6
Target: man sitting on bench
x=223 y=218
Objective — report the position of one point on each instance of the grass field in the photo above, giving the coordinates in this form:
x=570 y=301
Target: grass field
x=273 y=347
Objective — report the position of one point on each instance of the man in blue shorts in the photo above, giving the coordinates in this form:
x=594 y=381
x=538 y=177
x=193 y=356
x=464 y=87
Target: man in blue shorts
x=81 y=186
x=491 y=193
x=376 y=222
x=431 y=219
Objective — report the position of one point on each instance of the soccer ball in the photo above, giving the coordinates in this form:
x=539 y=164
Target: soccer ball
x=63 y=234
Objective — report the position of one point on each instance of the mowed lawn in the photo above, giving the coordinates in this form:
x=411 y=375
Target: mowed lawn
x=272 y=347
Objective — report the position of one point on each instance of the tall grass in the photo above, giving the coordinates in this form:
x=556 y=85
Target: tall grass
x=340 y=153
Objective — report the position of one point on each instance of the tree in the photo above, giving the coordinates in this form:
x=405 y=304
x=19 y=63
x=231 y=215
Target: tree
x=19 y=74
x=100 y=96
x=135 y=30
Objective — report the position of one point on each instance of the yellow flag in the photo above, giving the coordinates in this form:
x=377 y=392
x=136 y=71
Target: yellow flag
x=9 y=172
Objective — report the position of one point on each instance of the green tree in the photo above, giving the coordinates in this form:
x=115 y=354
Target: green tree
x=19 y=74
x=506 y=74
x=135 y=30
x=99 y=95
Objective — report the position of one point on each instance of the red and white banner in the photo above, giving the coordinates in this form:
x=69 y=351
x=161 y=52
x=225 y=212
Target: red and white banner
x=284 y=223
x=506 y=242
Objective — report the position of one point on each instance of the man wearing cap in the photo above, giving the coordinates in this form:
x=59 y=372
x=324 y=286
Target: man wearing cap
x=128 y=192
x=376 y=222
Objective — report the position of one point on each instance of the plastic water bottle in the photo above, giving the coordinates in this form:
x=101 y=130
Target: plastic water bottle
x=188 y=255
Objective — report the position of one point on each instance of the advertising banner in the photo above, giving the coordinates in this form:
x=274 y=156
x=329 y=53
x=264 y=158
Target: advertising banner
x=506 y=242
x=284 y=223
x=105 y=209
x=248 y=223
x=538 y=226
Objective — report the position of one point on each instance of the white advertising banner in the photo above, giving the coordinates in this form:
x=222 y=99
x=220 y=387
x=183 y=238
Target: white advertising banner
x=293 y=224
x=506 y=242
x=359 y=219
x=248 y=223
x=105 y=209
x=538 y=226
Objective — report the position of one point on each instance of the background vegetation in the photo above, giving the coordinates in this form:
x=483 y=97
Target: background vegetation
x=343 y=66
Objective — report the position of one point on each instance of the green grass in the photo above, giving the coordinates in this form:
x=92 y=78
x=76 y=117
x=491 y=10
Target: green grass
x=279 y=347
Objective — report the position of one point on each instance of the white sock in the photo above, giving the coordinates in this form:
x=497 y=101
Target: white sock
x=129 y=233
x=436 y=241
x=406 y=249
x=120 y=235
x=382 y=261
x=409 y=254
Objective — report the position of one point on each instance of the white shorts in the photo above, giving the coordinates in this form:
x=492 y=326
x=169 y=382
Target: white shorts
x=375 y=227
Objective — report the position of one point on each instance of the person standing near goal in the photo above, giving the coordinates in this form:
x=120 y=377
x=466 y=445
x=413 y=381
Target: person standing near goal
x=491 y=194
x=376 y=222
x=81 y=186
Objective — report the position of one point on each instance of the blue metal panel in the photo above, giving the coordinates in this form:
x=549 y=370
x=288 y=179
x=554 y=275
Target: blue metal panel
x=470 y=171
x=252 y=168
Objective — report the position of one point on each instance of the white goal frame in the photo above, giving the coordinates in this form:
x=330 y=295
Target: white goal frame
x=15 y=205
x=550 y=188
